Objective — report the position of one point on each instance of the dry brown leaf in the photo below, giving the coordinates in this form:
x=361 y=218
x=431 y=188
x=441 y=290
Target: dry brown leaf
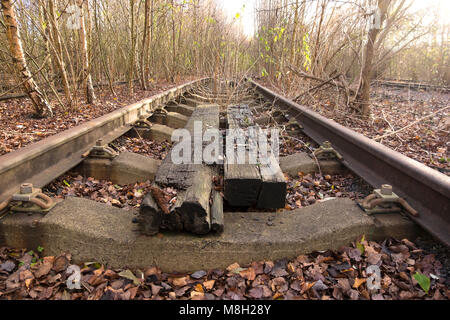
x=99 y=271
x=209 y=284
x=61 y=263
x=199 y=288
x=248 y=274
x=277 y=295
x=180 y=282
x=358 y=282
x=43 y=269
x=197 y=295
x=28 y=283
x=233 y=266
x=306 y=286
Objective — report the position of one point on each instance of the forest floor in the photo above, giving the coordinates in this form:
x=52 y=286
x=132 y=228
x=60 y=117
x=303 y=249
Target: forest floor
x=426 y=141
x=408 y=271
x=419 y=270
x=392 y=109
x=18 y=128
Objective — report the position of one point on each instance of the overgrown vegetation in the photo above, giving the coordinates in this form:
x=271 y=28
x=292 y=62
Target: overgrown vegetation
x=147 y=40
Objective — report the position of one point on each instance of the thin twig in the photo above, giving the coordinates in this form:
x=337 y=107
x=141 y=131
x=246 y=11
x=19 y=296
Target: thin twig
x=392 y=128
x=317 y=87
x=411 y=124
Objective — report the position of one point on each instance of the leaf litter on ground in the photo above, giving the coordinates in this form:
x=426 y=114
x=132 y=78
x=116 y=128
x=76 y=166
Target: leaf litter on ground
x=408 y=270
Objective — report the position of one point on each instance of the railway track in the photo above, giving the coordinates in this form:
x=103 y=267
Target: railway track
x=42 y=162
x=426 y=190
x=404 y=84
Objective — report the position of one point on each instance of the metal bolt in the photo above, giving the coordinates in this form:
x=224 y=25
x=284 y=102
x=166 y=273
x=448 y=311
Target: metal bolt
x=26 y=188
x=99 y=143
x=386 y=189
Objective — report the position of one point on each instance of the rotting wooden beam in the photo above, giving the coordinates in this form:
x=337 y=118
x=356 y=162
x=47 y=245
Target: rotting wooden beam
x=193 y=181
x=242 y=179
x=258 y=183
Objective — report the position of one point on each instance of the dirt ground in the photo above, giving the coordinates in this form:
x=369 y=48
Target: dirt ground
x=18 y=128
x=419 y=270
x=408 y=271
x=426 y=141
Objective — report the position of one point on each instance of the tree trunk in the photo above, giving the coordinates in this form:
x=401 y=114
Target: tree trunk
x=58 y=53
x=366 y=73
x=133 y=47
x=90 y=95
x=145 y=45
x=43 y=20
x=41 y=105
x=103 y=53
x=315 y=58
x=150 y=62
x=294 y=35
x=174 y=52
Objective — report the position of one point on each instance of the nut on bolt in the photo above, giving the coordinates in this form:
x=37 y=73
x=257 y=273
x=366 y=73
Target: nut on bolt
x=26 y=188
x=326 y=144
x=386 y=189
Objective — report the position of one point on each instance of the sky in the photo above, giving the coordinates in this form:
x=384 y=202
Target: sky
x=232 y=7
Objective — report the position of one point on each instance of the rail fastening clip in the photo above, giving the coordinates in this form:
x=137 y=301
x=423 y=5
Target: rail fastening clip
x=385 y=201
x=103 y=151
x=327 y=152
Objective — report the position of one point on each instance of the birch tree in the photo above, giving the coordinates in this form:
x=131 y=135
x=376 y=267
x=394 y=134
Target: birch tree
x=40 y=104
x=377 y=17
x=90 y=95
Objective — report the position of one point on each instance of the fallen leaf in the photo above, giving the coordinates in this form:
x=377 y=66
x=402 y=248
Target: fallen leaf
x=198 y=274
x=155 y=289
x=127 y=274
x=43 y=270
x=61 y=263
x=199 y=288
x=319 y=285
x=248 y=274
x=423 y=281
x=233 y=266
x=353 y=294
x=256 y=293
x=197 y=295
x=179 y=282
x=208 y=285
x=8 y=266
x=306 y=286
x=358 y=282
x=28 y=283
x=374 y=258
x=218 y=292
x=99 y=271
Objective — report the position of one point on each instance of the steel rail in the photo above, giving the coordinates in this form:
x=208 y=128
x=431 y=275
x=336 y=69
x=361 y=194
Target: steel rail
x=411 y=85
x=45 y=160
x=427 y=190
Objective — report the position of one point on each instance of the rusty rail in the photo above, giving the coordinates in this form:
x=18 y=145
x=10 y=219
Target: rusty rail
x=427 y=190
x=45 y=160
x=411 y=85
